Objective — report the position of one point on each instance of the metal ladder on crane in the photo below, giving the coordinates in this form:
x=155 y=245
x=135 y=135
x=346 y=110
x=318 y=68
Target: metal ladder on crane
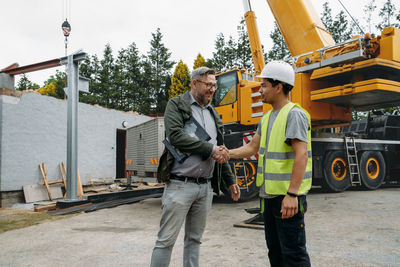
x=352 y=160
x=241 y=165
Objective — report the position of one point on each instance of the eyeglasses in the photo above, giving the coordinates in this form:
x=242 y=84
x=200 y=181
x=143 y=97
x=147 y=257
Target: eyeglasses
x=209 y=86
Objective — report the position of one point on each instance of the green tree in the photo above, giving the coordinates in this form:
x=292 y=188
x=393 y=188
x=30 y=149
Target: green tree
x=369 y=10
x=159 y=68
x=244 y=57
x=25 y=84
x=106 y=75
x=279 y=48
x=180 y=80
x=59 y=81
x=101 y=75
x=231 y=53
x=129 y=67
x=90 y=68
x=218 y=60
x=198 y=62
x=339 y=26
x=388 y=15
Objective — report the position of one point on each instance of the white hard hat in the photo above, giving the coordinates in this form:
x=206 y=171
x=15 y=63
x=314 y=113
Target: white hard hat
x=278 y=70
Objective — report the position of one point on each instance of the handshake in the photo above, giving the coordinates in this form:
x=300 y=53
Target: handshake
x=221 y=154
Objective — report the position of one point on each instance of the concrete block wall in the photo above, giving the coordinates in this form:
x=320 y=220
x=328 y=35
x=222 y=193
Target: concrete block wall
x=33 y=129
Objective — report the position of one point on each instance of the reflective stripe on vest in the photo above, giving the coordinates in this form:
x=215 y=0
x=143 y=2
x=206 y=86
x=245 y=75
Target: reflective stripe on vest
x=279 y=158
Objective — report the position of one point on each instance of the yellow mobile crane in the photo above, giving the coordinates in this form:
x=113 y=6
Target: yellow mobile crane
x=362 y=73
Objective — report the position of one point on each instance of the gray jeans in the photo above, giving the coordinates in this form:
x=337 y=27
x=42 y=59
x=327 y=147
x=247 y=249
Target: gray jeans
x=180 y=201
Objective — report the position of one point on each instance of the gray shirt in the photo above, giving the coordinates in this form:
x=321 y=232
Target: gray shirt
x=194 y=166
x=296 y=128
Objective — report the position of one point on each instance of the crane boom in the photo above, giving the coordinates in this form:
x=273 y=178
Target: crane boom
x=254 y=38
x=300 y=26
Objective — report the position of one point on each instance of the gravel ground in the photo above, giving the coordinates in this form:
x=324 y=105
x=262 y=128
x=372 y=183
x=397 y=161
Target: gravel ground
x=353 y=228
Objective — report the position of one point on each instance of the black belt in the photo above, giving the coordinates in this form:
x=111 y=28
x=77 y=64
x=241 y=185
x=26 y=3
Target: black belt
x=199 y=180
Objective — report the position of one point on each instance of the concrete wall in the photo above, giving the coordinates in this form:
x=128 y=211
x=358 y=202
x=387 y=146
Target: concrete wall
x=6 y=81
x=34 y=130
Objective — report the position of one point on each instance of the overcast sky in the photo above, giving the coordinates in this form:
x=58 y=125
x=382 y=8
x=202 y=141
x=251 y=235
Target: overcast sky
x=31 y=30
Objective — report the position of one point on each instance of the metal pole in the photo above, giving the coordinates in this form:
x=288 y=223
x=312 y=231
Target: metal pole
x=72 y=130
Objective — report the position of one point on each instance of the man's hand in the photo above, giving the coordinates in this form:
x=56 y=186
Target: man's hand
x=235 y=192
x=221 y=154
x=289 y=207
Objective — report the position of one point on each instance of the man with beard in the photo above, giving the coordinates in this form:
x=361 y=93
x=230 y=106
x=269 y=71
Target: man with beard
x=283 y=143
x=189 y=185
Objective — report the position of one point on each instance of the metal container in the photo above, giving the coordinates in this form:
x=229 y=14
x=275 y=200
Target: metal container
x=144 y=148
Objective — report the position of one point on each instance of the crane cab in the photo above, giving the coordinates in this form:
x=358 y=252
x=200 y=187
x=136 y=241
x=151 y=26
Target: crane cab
x=237 y=99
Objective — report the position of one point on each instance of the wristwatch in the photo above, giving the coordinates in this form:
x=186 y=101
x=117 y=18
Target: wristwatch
x=291 y=194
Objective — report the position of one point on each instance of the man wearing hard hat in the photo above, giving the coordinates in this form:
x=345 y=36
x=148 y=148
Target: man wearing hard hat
x=283 y=143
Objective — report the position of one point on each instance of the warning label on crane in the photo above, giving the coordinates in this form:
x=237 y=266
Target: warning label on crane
x=246 y=139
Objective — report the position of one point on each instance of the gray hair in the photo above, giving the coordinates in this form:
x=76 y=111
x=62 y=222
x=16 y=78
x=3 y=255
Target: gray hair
x=200 y=72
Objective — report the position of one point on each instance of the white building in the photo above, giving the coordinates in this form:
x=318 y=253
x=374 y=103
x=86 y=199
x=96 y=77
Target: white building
x=33 y=129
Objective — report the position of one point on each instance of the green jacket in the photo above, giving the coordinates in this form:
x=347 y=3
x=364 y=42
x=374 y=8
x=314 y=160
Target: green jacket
x=178 y=110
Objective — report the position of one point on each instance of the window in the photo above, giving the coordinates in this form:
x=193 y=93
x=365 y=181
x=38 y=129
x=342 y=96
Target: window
x=227 y=89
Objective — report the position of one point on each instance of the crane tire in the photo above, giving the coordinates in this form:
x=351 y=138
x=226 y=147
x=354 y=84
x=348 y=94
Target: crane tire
x=248 y=192
x=336 y=175
x=372 y=169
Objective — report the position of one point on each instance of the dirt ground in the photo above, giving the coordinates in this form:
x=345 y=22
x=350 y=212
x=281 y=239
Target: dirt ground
x=353 y=228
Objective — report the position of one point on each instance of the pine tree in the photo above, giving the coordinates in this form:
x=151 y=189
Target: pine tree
x=369 y=9
x=106 y=83
x=279 y=48
x=159 y=64
x=25 y=84
x=338 y=27
x=101 y=75
x=133 y=78
x=119 y=82
x=198 y=62
x=231 y=54
x=244 y=57
x=218 y=61
x=341 y=30
x=180 y=80
x=388 y=15
x=90 y=68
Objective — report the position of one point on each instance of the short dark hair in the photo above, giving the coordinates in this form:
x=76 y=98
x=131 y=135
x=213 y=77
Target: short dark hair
x=286 y=87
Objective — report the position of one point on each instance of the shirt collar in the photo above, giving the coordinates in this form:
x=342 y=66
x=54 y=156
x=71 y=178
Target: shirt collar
x=193 y=101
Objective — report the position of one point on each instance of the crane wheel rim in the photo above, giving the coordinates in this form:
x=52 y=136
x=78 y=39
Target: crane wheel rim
x=338 y=169
x=372 y=168
x=250 y=179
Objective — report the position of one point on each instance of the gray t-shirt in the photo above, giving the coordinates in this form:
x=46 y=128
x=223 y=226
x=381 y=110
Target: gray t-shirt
x=296 y=128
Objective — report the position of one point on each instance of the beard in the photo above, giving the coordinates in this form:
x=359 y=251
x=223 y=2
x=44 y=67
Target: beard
x=202 y=98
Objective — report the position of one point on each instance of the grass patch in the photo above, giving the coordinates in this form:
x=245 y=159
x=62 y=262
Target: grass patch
x=11 y=219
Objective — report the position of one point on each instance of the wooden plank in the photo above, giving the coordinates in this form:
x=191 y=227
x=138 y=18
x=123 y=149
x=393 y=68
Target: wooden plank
x=63 y=173
x=39 y=208
x=35 y=192
x=59 y=181
x=43 y=170
x=79 y=184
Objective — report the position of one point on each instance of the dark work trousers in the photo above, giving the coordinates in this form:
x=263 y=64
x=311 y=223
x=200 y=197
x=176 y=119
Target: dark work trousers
x=286 y=239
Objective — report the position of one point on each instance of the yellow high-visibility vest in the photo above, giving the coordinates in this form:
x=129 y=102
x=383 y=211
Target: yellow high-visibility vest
x=279 y=158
